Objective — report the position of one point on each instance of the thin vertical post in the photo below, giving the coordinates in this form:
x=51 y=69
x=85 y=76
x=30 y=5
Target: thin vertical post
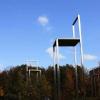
x=40 y=73
x=26 y=67
x=55 y=80
x=58 y=69
x=81 y=47
x=73 y=29
x=75 y=62
x=75 y=58
x=29 y=72
x=80 y=33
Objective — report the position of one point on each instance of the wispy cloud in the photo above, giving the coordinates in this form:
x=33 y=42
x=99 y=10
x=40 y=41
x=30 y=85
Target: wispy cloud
x=49 y=28
x=43 y=20
x=1 y=67
x=89 y=57
x=50 y=52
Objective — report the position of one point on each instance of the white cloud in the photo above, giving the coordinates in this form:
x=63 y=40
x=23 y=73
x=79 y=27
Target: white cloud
x=1 y=67
x=50 y=52
x=89 y=57
x=43 y=20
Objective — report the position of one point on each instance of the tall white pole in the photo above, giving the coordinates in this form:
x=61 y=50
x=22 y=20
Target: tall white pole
x=80 y=33
x=55 y=80
x=75 y=62
x=58 y=69
x=81 y=46
x=75 y=58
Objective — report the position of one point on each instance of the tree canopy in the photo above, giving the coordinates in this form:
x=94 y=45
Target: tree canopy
x=15 y=84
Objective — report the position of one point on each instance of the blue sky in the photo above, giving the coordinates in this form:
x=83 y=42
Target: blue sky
x=29 y=27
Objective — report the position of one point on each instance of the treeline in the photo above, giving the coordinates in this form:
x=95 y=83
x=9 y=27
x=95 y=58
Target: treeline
x=15 y=84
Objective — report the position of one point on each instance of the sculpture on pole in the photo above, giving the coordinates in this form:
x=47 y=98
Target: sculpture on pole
x=68 y=42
